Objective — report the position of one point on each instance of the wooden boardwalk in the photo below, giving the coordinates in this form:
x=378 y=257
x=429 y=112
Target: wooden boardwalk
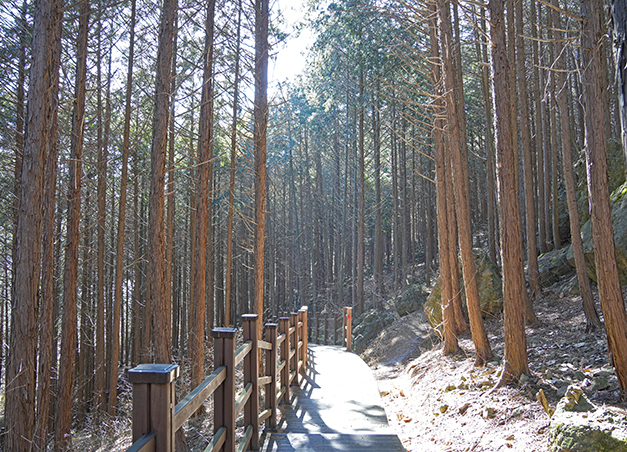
x=337 y=407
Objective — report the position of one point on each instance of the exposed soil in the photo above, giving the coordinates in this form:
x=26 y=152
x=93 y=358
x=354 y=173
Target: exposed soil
x=445 y=403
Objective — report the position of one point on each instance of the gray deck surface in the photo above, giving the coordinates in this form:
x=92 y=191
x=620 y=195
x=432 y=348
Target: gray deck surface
x=337 y=407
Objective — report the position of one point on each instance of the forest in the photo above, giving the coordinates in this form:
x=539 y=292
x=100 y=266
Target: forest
x=155 y=185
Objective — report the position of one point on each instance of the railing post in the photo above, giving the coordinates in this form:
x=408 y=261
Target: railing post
x=153 y=402
x=224 y=397
x=294 y=341
x=304 y=310
x=271 y=369
x=251 y=374
x=284 y=325
x=348 y=330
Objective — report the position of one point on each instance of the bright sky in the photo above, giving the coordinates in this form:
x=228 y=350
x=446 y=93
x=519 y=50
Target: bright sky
x=289 y=59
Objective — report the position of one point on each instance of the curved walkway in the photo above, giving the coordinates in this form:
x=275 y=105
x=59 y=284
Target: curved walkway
x=336 y=408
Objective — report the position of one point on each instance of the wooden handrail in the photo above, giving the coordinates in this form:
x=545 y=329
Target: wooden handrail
x=156 y=419
x=190 y=404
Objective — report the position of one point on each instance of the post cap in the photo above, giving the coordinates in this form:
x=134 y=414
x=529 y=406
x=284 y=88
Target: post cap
x=249 y=317
x=223 y=332
x=153 y=373
x=272 y=325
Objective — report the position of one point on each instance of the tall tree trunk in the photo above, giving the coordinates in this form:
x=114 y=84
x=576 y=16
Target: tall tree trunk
x=599 y=198
x=514 y=292
x=158 y=294
x=70 y=277
x=201 y=242
x=537 y=119
x=378 y=234
x=482 y=55
x=170 y=188
x=530 y=209
x=47 y=343
x=229 y=233
x=101 y=167
x=259 y=142
x=361 y=227
x=21 y=360
x=461 y=190
x=619 y=22
x=592 y=317
x=448 y=315
x=119 y=254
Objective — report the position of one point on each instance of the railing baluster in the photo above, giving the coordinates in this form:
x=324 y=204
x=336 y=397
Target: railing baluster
x=284 y=325
x=224 y=397
x=251 y=374
x=271 y=369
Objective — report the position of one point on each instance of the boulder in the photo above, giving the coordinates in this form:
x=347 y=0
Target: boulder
x=580 y=426
x=490 y=288
x=553 y=266
x=615 y=177
x=619 y=220
x=368 y=325
x=411 y=300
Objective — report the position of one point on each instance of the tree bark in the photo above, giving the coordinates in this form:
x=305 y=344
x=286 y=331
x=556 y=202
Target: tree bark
x=259 y=141
x=514 y=291
x=448 y=315
x=158 y=294
x=483 y=352
x=592 y=317
x=619 y=29
x=201 y=242
x=70 y=278
x=119 y=259
x=599 y=198
x=525 y=131
x=47 y=343
x=229 y=234
x=21 y=360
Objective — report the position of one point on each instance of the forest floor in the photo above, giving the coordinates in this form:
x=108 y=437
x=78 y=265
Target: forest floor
x=445 y=403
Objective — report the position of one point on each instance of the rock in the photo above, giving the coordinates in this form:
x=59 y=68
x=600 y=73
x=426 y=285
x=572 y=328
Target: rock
x=518 y=412
x=561 y=392
x=489 y=285
x=553 y=266
x=443 y=409
x=570 y=288
x=599 y=383
x=580 y=426
x=615 y=173
x=368 y=325
x=488 y=413
x=619 y=220
x=464 y=408
x=411 y=300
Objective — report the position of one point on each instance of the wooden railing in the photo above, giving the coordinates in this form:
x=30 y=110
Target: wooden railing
x=319 y=328
x=156 y=418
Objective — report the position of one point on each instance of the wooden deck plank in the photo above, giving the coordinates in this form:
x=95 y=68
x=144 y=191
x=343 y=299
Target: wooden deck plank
x=336 y=407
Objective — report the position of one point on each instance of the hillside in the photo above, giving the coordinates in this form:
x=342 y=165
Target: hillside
x=438 y=403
